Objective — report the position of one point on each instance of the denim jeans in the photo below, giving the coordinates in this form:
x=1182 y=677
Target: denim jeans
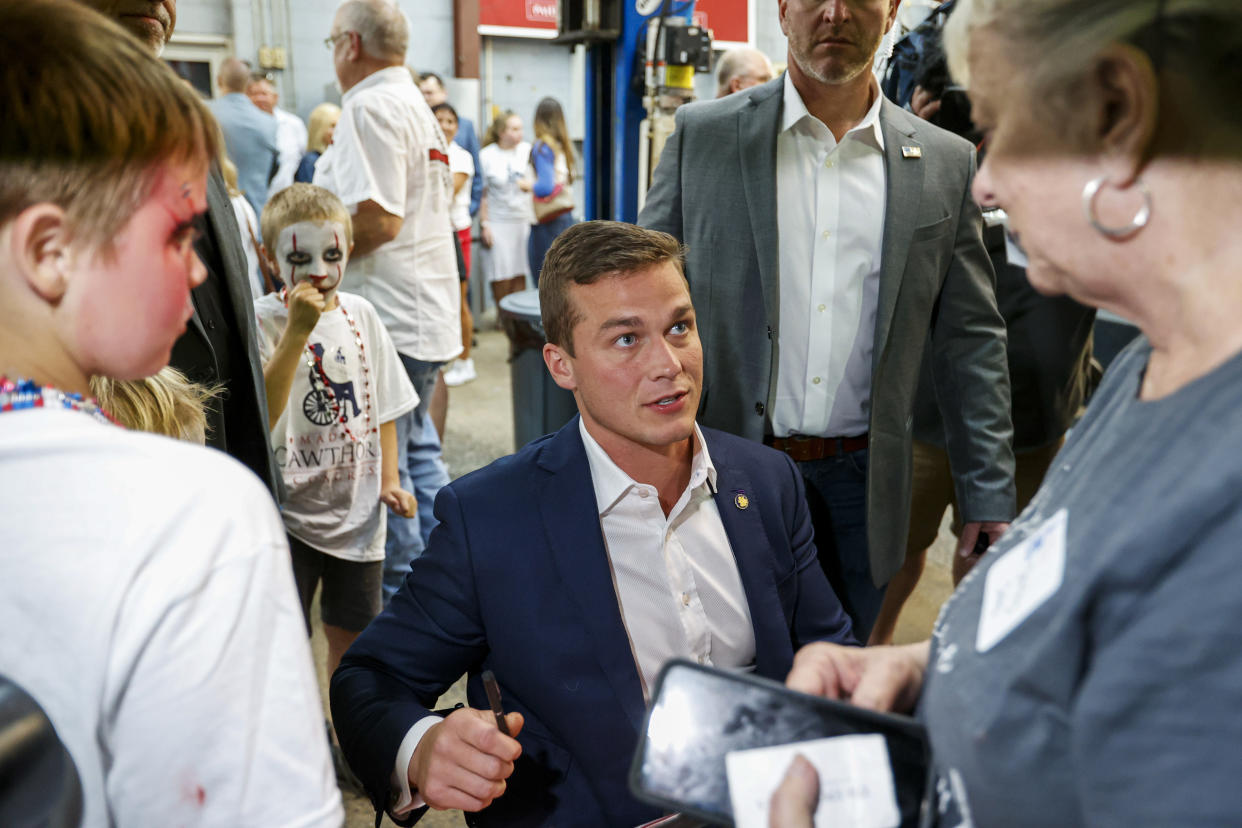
x=422 y=473
x=541 y=238
x=836 y=493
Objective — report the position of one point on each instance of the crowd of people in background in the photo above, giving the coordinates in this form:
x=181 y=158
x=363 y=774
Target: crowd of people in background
x=512 y=195
x=857 y=296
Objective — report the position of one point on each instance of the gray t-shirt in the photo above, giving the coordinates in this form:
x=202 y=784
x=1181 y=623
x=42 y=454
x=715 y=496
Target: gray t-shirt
x=1111 y=695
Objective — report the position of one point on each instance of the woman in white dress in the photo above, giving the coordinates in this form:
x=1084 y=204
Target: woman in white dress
x=505 y=212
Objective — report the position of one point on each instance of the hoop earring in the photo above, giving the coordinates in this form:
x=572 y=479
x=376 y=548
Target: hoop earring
x=1092 y=189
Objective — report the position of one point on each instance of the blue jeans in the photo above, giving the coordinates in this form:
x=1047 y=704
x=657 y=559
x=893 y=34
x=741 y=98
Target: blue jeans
x=541 y=238
x=836 y=493
x=422 y=472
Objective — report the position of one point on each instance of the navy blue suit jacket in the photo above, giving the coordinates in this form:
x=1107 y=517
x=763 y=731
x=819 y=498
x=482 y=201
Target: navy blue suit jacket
x=516 y=579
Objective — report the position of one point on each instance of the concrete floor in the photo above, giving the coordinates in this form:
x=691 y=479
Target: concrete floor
x=480 y=429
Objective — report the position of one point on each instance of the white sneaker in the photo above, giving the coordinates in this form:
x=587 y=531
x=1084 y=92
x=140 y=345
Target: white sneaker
x=461 y=372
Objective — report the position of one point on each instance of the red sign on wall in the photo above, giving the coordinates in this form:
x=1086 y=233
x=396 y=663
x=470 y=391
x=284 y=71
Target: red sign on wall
x=529 y=18
x=731 y=21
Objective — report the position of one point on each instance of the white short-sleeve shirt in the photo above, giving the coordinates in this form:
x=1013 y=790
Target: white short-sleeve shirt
x=460 y=161
x=502 y=169
x=148 y=605
x=388 y=148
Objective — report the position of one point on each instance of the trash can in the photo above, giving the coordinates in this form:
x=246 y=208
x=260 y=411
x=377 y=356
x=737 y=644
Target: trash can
x=540 y=406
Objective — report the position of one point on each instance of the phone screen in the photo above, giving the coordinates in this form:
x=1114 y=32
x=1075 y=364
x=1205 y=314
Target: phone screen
x=699 y=714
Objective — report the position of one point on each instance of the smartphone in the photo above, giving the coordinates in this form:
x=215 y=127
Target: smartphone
x=699 y=714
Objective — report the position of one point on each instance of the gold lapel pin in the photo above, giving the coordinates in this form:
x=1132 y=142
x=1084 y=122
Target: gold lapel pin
x=911 y=152
x=741 y=501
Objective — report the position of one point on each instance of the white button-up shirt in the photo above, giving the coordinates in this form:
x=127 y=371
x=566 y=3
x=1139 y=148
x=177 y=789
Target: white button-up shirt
x=291 y=141
x=676 y=578
x=830 y=215
x=388 y=148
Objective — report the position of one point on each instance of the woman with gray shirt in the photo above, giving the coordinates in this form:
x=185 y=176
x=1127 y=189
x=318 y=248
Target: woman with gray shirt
x=1089 y=670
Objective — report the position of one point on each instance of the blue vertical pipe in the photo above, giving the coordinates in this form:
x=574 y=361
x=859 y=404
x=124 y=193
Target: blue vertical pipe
x=614 y=102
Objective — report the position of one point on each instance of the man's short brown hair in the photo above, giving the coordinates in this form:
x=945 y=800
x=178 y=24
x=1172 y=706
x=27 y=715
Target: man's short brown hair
x=90 y=118
x=302 y=202
x=588 y=252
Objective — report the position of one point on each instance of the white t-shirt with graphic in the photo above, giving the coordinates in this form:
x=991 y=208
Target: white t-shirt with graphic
x=333 y=477
x=501 y=170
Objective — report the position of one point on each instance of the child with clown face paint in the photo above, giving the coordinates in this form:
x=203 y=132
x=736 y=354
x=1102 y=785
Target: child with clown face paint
x=335 y=385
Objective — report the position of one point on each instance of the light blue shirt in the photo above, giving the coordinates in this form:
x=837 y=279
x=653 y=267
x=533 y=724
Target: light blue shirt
x=250 y=139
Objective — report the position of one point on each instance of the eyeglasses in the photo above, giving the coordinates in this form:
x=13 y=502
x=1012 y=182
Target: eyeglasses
x=329 y=42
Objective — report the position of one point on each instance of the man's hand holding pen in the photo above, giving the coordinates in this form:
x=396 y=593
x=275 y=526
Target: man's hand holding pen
x=463 y=761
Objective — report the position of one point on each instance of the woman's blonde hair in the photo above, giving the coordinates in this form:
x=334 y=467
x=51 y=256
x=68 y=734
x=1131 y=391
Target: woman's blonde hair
x=166 y=403
x=492 y=134
x=322 y=119
x=1055 y=41
x=228 y=171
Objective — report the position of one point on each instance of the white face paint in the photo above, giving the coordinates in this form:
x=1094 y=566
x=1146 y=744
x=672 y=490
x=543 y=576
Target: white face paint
x=314 y=252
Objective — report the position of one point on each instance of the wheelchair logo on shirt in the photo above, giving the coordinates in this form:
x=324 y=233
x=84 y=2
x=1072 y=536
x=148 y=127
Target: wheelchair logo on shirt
x=327 y=396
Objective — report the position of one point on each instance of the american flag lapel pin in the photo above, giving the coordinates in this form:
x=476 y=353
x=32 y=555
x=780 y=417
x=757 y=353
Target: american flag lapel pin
x=911 y=152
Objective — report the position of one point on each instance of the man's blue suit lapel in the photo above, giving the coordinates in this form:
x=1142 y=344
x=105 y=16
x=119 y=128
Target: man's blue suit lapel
x=752 y=551
x=576 y=542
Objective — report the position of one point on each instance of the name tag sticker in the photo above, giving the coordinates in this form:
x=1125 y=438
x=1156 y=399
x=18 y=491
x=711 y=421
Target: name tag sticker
x=1021 y=580
x=855 y=781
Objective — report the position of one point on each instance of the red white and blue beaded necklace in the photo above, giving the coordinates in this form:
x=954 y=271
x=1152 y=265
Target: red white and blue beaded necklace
x=18 y=394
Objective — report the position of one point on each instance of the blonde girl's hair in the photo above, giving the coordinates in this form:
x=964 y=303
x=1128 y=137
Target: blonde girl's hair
x=167 y=403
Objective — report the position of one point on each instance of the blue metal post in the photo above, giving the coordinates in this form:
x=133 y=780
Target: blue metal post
x=614 y=102
x=594 y=185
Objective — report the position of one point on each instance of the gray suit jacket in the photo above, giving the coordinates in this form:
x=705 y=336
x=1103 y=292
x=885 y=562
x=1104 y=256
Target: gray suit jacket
x=715 y=189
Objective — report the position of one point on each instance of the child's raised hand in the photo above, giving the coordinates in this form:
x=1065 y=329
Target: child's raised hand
x=399 y=500
x=306 y=305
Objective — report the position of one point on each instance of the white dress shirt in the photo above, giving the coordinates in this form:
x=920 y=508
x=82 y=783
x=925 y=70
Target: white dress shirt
x=388 y=148
x=830 y=215
x=291 y=140
x=677 y=582
x=676 y=578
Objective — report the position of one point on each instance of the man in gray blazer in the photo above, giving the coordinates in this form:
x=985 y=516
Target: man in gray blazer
x=832 y=237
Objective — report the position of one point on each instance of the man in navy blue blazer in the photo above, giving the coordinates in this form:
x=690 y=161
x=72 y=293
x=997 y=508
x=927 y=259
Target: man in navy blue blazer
x=575 y=568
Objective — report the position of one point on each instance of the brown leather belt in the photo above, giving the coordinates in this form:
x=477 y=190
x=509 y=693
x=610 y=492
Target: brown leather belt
x=816 y=448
